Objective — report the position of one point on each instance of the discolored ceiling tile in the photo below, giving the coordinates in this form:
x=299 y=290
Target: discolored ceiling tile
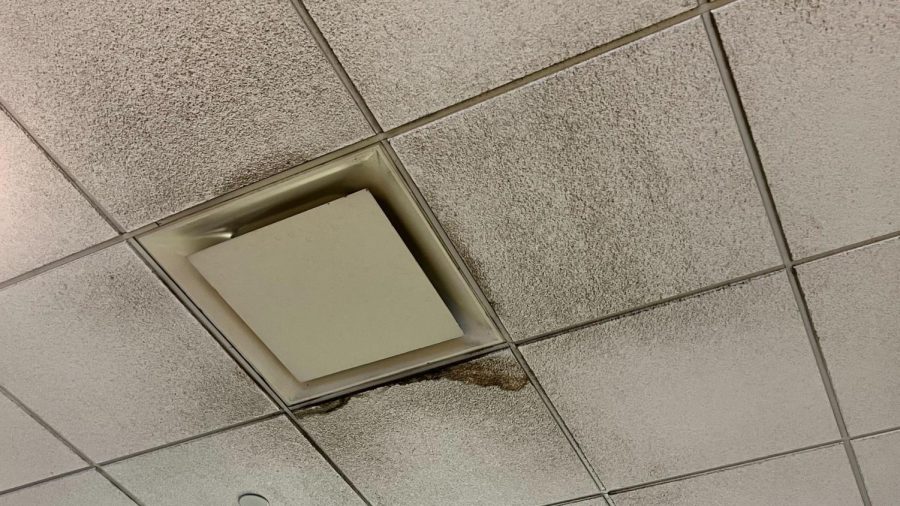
x=28 y=452
x=105 y=354
x=614 y=183
x=83 y=489
x=156 y=106
x=719 y=378
x=814 y=478
x=854 y=302
x=269 y=458
x=471 y=434
x=818 y=81
x=411 y=58
x=42 y=217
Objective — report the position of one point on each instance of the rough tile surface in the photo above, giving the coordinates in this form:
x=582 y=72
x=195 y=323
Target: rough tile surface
x=27 y=451
x=614 y=183
x=405 y=70
x=818 y=81
x=42 y=217
x=473 y=434
x=156 y=106
x=84 y=489
x=854 y=301
x=270 y=458
x=711 y=380
x=103 y=352
x=879 y=460
x=816 y=478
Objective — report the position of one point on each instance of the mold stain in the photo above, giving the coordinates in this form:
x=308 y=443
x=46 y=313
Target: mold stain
x=502 y=372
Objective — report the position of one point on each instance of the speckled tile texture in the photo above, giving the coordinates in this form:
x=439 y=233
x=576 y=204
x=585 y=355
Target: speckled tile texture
x=879 y=459
x=854 y=301
x=719 y=378
x=269 y=458
x=473 y=434
x=611 y=184
x=42 y=217
x=29 y=452
x=84 y=489
x=105 y=354
x=156 y=106
x=405 y=71
x=815 y=478
x=818 y=81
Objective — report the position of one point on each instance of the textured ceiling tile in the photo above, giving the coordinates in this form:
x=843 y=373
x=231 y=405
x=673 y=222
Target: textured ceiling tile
x=819 y=83
x=611 y=184
x=42 y=217
x=816 y=478
x=158 y=105
x=105 y=354
x=879 y=460
x=83 y=489
x=473 y=434
x=707 y=381
x=27 y=451
x=854 y=301
x=269 y=458
x=410 y=58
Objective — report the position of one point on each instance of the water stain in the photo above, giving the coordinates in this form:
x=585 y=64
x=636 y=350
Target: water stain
x=500 y=371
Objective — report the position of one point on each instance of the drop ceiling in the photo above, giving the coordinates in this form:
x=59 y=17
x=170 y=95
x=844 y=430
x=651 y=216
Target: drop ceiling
x=647 y=252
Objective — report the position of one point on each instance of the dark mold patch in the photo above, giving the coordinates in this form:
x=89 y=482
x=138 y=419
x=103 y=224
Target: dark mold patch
x=321 y=409
x=494 y=371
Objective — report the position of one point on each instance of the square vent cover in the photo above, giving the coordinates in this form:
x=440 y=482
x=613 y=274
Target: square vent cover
x=326 y=280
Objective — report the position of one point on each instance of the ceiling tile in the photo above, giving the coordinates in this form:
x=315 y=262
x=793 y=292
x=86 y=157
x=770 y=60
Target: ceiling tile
x=156 y=106
x=707 y=381
x=879 y=460
x=42 y=217
x=815 y=478
x=608 y=185
x=269 y=458
x=472 y=434
x=27 y=451
x=818 y=81
x=853 y=300
x=83 y=489
x=105 y=354
x=405 y=70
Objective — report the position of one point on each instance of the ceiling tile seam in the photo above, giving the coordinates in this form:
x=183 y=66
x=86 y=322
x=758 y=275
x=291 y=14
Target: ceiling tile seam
x=438 y=229
x=241 y=361
x=202 y=435
x=71 y=179
x=723 y=468
x=335 y=63
x=55 y=433
x=653 y=304
x=876 y=433
x=55 y=477
x=768 y=202
x=580 y=499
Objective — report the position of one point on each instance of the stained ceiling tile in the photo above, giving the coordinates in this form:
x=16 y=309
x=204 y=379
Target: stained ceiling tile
x=156 y=106
x=42 y=217
x=818 y=81
x=27 y=451
x=104 y=353
x=879 y=460
x=472 y=434
x=699 y=383
x=611 y=184
x=854 y=301
x=814 y=478
x=83 y=489
x=411 y=58
x=269 y=458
